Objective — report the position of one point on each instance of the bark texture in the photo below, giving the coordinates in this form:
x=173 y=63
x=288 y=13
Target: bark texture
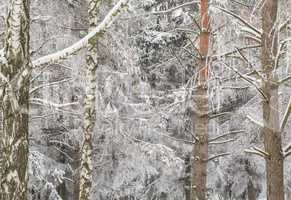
x=200 y=151
x=90 y=107
x=271 y=130
x=14 y=103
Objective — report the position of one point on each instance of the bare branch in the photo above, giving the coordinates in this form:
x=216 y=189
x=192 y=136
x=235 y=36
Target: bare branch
x=98 y=31
x=286 y=116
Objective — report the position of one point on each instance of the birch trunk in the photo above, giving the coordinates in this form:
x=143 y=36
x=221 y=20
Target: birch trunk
x=200 y=151
x=90 y=108
x=271 y=130
x=14 y=103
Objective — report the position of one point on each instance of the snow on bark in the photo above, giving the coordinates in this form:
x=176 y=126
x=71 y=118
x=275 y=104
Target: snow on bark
x=14 y=140
x=90 y=107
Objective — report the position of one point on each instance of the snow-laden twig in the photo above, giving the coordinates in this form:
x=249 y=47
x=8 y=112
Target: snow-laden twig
x=286 y=116
x=226 y=134
x=214 y=57
x=287 y=154
x=49 y=84
x=249 y=80
x=257 y=151
x=254 y=152
x=285 y=80
x=255 y=121
x=280 y=51
x=240 y=19
x=285 y=23
x=287 y=148
x=222 y=142
x=98 y=31
x=216 y=156
x=51 y=104
x=175 y=8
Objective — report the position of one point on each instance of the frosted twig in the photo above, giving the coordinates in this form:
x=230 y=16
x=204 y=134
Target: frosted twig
x=48 y=85
x=240 y=19
x=217 y=156
x=284 y=79
x=222 y=142
x=51 y=104
x=249 y=81
x=255 y=121
x=257 y=151
x=286 y=116
x=226 y=134
x=175 y=8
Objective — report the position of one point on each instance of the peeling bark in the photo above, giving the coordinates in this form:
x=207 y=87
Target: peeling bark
x=90 y=107
x=14 y=103
x=200 y=151
x=271 y=130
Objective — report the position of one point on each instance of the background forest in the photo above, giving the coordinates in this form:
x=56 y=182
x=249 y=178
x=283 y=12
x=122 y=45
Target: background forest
x=169 y=100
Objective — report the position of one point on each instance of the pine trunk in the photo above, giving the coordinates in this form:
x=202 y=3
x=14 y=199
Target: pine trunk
x=90 y=107
x=200 y=151
x=271 y=130
x=14 y=103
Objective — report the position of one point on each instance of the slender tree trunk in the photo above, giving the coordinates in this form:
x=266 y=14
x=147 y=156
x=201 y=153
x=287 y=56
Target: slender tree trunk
x=199 y=168
x=271 y=130
x=14 y=102
x=90 y=108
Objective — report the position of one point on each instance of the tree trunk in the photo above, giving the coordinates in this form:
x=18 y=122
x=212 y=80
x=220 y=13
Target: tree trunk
x=14 y=102
x=90 y=108
x=271 y=130
x=200 y=151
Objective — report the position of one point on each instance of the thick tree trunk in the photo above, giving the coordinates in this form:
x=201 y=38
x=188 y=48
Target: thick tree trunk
x=271 y=130
x=90 y=108
x=14 y=102
x=200 y=151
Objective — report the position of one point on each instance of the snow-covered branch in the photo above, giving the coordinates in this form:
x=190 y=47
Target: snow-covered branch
x=285 y=80
x=257 y=151
x=38 y=101
x=286 y=116
x=247 y=79
x=225 y=135
x=255 y=121
x=97 y=32
x=175 y=8
x=241 y=20
x=49 y=84
x=217 y=156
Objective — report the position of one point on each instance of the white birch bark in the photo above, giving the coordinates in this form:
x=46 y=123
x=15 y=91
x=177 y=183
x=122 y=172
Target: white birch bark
x=14 y=139
x=90 y=108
